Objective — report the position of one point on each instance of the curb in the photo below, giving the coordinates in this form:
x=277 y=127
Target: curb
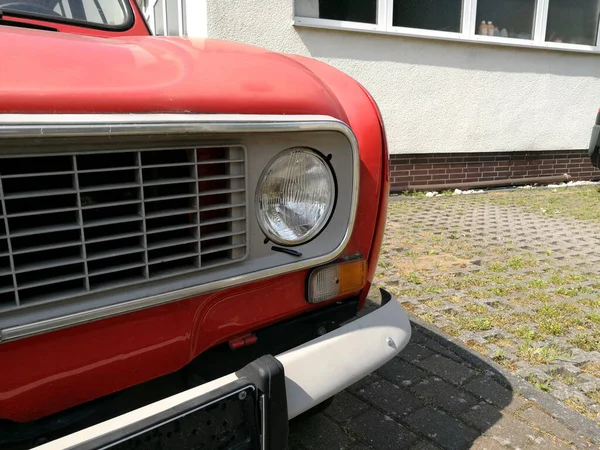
x=571 y=418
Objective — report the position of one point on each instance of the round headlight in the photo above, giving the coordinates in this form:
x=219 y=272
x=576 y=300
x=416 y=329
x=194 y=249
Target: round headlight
x=295 y=196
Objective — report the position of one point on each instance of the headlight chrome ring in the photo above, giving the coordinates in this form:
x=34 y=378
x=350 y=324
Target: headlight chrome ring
x=295 y=196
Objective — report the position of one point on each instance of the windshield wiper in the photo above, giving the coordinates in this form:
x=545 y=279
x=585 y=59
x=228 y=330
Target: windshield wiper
x=15 y=23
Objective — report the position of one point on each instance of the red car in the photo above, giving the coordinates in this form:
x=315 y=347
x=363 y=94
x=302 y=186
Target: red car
x=186 y=229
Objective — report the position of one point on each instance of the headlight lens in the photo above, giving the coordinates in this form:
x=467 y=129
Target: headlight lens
x=295 y=196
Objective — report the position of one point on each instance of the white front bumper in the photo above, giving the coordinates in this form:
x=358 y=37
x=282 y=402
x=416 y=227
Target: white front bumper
x=329 y=364
x=314 y=371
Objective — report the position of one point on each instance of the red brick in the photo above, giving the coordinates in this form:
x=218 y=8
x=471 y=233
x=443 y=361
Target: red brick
x=422 y=178
x=437 y=171
x=417 y=172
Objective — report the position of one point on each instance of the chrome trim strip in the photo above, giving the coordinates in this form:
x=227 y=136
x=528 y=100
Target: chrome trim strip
x=68 y=125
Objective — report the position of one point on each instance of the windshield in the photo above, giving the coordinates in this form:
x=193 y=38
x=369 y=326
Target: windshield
x=103 y=13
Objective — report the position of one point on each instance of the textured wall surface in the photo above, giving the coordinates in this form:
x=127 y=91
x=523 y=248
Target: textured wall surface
x=436 y=96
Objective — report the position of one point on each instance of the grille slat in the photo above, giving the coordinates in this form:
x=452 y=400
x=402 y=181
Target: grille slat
x=110 y=204
x=49 y=281
x=211 y=236
x=171 y=212
x=170 y=181
x=6 y=290
x=41 y=248
x=112 y=253
x=107 y=169
x=44 y=193
x=220 y=177
x=79 y=223
x=170 y=197
x=220 y=191
x=172 y=228
x=40 y=174
x=43 y=211
x=44 y=230
x=172 y=242
x=221 y=220
x=112 y=221
x=114 y=237
x=221 y=248
x=219 y=161
x=109 y=187
x=118 y=268
x=221 y=206
x=47 y=264
x=163 y=259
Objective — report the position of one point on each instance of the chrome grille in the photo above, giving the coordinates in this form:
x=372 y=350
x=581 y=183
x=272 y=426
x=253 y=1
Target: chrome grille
x=72 y=224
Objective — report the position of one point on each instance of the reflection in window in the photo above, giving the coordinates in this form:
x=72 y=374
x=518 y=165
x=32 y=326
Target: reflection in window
x=506 y=18
x=364 y=11
x=573 y=21
x=441 y=15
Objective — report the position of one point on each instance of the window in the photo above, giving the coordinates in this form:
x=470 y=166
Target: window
x=92 y=12
x=506 y=18
x=441 y=15
x=363 y=11
x=573 y=21
x=555 y=24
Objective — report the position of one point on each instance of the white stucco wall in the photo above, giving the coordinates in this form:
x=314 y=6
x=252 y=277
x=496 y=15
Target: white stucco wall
x=437 y=96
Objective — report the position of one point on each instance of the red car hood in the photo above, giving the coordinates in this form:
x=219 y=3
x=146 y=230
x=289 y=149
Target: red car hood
x=47 y=72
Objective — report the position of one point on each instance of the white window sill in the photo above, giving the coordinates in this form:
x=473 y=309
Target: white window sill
x=441 y=35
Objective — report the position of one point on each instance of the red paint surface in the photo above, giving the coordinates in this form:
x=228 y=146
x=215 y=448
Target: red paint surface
x=48 y=373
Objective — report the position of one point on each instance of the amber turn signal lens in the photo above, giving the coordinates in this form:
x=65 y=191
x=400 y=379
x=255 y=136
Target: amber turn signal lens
x=336 y=280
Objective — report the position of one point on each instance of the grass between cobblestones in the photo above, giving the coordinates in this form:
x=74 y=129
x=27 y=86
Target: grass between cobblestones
x=513 y=274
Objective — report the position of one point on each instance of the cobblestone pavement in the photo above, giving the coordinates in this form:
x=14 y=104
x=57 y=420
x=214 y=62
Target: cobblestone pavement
x=437 y=395
x=514 y=283
x=505 y=289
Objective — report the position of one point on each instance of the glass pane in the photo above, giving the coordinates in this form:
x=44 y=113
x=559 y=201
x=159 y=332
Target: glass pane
x=441 y=15
x=573 y=21
x=506 y=18
x=96 y=12
x=364 y=11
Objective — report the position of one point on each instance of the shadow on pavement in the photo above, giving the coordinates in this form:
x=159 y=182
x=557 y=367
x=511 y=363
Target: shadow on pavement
x=435 y=394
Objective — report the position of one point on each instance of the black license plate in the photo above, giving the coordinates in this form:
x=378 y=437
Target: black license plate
x=231 y=421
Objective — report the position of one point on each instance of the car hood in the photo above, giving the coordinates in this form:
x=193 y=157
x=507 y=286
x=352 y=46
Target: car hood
x=47 y=72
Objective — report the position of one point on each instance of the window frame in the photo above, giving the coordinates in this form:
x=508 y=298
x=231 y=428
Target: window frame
x=468 y=28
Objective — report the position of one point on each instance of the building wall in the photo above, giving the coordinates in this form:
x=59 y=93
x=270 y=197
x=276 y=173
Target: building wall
x=436 y=96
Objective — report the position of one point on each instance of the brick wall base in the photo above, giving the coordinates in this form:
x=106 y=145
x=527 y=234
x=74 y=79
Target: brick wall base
x=417 y=171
